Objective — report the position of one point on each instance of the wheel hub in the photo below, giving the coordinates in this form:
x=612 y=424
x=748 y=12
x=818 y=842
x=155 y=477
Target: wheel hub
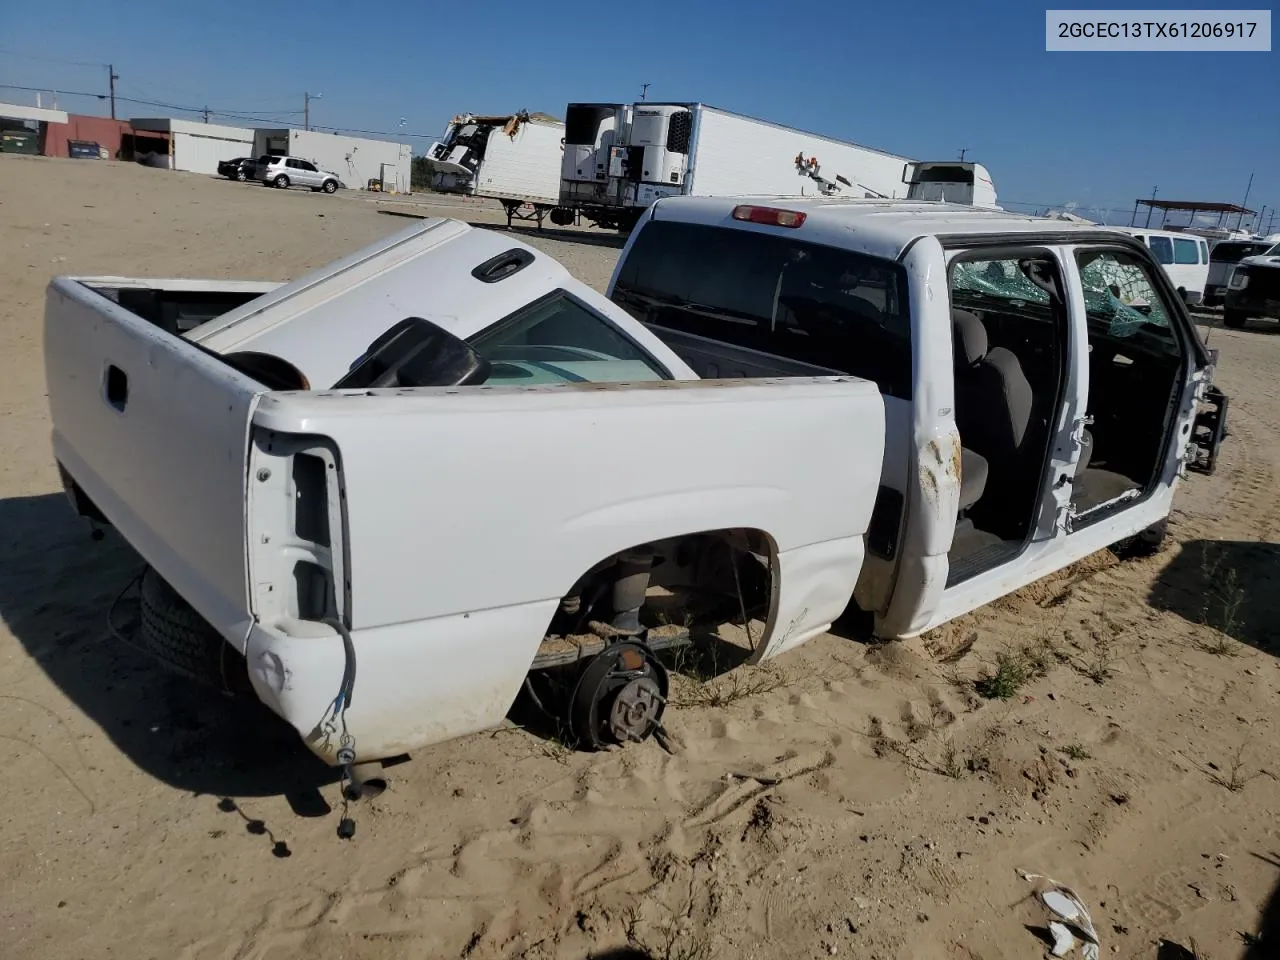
x=635 y=710
x=619 y=698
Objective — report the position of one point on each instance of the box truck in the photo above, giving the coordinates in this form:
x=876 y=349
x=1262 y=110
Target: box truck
x=514 y=159
x=619 y=158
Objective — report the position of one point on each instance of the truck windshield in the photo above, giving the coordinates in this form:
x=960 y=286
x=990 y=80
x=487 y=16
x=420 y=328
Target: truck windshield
x=800 y=301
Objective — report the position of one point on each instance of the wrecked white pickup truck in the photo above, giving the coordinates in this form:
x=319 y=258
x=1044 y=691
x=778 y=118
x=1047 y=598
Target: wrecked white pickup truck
x=386 y=492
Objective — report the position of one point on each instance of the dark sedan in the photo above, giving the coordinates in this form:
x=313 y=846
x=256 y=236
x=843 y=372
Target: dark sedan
x=241 y=168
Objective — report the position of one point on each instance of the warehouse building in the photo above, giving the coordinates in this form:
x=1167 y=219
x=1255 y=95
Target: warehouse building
x=197 y=147
x=355 y=160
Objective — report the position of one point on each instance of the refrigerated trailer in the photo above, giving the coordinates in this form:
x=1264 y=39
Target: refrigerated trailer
x=620 y=158
x=514 y=159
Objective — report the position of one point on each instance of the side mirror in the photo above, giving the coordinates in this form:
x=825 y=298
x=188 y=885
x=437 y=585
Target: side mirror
x=416 y=353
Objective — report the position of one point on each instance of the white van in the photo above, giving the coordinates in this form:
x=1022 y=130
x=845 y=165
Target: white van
x=1185 y=258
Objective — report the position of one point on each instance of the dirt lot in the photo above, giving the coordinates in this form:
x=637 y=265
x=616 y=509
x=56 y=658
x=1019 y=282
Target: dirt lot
x=880 y=809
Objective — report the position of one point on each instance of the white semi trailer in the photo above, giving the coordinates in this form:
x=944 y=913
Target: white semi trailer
x=619 y=158
x=514 y=159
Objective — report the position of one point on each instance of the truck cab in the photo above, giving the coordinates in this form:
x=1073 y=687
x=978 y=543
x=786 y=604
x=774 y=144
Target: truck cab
x=1041 y=381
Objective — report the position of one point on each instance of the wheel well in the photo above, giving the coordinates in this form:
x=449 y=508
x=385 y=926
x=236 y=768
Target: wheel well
x=694 y=579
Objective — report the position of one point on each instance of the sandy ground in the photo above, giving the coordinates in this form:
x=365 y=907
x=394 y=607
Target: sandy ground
x=855 y=801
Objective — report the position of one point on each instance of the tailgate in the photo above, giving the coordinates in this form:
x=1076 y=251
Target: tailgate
x=154 y=431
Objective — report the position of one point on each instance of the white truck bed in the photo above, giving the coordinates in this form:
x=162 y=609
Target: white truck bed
x=452 y=519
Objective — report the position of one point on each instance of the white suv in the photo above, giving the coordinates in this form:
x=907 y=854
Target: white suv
x=285 y=172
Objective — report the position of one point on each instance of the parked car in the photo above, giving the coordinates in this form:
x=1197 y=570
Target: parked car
x=383 y=524
x=1254 y=289
x=285 y=172
x=241 y=168
x=1223 y=257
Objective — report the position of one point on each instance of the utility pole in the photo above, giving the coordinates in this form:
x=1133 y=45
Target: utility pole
x=306 y=108
x=1240 y=219
x=1154 y=191
x=963 y=151
x=112 y=77
x=644 y=91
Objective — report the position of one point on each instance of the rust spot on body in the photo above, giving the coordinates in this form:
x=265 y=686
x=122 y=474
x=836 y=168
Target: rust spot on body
x=929 y=484
x=957 y=457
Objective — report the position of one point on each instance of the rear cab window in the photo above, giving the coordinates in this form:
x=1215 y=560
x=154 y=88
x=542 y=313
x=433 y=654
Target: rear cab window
x=777 y=295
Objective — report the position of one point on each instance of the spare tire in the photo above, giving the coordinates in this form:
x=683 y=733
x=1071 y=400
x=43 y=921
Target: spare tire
x=174 y=633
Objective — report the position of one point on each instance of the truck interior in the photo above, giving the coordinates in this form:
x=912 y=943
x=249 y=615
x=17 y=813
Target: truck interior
x=1009 y=328
x=1009 y=323
x=1136 y=364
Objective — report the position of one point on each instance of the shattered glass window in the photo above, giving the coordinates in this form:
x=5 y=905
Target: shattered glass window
x=996 y=278
x=1118 y=292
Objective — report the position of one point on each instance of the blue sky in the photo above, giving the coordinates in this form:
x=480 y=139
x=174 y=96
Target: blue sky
x=922 y=79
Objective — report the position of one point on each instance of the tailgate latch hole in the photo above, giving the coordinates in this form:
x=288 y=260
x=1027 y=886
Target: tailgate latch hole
x=117 y=387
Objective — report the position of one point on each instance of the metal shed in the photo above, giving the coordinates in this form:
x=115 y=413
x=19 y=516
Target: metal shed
x=199 y=147
x=356 y=160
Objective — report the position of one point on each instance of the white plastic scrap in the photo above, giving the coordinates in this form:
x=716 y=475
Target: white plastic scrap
x=1070 y=919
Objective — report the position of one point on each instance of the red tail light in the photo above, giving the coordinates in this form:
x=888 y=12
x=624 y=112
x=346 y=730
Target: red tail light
x=772 y=216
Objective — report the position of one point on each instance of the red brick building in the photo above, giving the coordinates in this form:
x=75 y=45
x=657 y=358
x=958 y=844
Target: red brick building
x=100 y=130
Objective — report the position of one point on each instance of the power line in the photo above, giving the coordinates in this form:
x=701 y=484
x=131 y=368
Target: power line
x=379 y=133
x=279 y=117
x=230 y=114
x=29 y=56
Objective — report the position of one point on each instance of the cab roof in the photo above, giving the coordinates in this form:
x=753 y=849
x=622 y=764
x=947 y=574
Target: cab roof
x=882 y=228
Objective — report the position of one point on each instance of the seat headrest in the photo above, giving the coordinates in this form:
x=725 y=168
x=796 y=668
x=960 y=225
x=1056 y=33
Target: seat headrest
x=970 y=337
